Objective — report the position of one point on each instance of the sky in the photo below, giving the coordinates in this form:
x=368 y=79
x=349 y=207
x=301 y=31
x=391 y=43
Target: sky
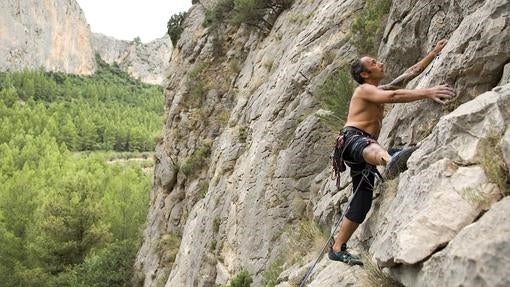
x=127 y=19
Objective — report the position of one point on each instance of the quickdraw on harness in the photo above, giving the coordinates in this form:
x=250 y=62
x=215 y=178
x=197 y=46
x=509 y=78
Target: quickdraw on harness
x=339 y=167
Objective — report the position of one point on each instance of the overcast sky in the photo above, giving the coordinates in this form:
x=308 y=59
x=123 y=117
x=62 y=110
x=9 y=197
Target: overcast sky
x=127 y=19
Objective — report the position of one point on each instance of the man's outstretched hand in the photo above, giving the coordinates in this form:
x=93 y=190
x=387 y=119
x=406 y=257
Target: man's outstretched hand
x=440 y=94
x=439 y=46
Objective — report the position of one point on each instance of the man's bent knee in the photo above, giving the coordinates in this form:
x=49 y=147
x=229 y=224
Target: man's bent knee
x=374 y=154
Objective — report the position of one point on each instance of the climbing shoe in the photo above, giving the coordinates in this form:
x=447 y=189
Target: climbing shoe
x=344 y=256
x=398 y=162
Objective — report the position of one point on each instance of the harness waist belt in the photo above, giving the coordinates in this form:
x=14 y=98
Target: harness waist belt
x=356 y=130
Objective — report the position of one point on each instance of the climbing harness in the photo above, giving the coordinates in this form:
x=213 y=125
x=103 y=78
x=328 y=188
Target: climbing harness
x=337 y=158
x=365 y=173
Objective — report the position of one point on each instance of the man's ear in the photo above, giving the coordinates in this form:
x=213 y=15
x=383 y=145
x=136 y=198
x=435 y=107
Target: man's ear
x=365 y=74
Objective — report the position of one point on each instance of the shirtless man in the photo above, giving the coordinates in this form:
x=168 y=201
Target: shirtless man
x=361 y=150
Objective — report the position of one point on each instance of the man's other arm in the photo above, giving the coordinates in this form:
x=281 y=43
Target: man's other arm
x=411 y=73
x=439 y=94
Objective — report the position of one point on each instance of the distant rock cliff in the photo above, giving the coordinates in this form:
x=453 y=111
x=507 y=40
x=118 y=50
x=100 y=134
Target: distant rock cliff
x=49 y=34
x=147 y=62
x=54 y=35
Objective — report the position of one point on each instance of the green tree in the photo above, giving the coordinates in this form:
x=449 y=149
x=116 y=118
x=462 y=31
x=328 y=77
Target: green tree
x=367 y=29
x=109 y=266
x=259 y=13
x=137 y=40
x=9 y=96
x=175 y=26
x=67 y=225
x=125 y=202
x=68 y=134
x=87 y=134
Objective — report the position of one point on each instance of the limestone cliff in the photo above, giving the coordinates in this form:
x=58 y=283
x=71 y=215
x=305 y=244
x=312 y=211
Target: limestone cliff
x=49 y=34
x=244 y=157
x=54 y=35
x=147 y=62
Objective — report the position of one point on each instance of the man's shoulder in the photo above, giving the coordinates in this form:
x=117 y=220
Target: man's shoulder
x=364 y=89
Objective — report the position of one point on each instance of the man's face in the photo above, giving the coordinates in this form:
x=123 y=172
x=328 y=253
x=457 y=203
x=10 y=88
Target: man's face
x=373 y=69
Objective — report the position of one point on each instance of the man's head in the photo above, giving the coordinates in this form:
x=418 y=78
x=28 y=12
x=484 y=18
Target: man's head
x=367 y=69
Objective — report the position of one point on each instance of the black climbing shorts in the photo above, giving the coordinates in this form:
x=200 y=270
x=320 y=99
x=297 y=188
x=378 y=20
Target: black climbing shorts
x=356 y=141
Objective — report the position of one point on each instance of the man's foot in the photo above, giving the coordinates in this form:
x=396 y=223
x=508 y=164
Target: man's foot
x=398 y=162
x=344 y=256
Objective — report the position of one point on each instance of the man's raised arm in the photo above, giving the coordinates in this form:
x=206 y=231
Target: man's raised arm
x=411 y=73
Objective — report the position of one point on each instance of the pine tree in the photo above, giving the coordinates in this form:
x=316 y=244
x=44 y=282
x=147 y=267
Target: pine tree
x=68 y=224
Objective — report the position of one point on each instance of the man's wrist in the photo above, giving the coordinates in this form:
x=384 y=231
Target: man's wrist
x=427 y=93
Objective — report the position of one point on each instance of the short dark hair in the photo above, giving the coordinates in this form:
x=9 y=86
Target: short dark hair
x=356 y=69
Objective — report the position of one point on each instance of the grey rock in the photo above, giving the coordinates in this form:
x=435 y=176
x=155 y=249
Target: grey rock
x=471 y=63
x=52 y=35
x=147 y=62
x=260 y=183
x=505 y=150
x=417 y=223
x=457 y=136
x=477 y=256
x=443 y=176
x=505 y=78
x=269 y=164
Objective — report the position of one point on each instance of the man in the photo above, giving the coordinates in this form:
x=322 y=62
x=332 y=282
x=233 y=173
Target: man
x=360 y=149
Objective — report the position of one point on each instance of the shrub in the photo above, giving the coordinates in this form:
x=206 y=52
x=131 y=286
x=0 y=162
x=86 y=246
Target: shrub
x=175 y=26
x=243 y=134
x=169 y=243
x=110 y=266
x=222 y=117
x=374 y=276
x=217 y=15
x=203 y=188
x=271 y=274
x=216 y=224
x=242 y=279
x=259 y=13
x=367 y=29
x=196 y=85
x=307 y=236
x=475 y=196
x=197 y=160
x=491 y=162
x=335 y=95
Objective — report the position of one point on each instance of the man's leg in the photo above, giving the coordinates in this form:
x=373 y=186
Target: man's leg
x=374 y=154
x=358 y=209
x=394 y=164
x=347 y=228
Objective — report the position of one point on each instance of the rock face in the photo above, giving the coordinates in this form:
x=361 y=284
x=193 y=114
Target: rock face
x=244 y=158
x=472 y=61
x=477 y=256
x=50 y=34
x=54 y=35
x=146 y=62
x=444 y=174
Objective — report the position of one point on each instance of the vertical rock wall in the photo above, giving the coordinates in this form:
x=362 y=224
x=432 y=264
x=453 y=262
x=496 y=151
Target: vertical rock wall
x=264 y=152
x=48 y=34
x=147 y=62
